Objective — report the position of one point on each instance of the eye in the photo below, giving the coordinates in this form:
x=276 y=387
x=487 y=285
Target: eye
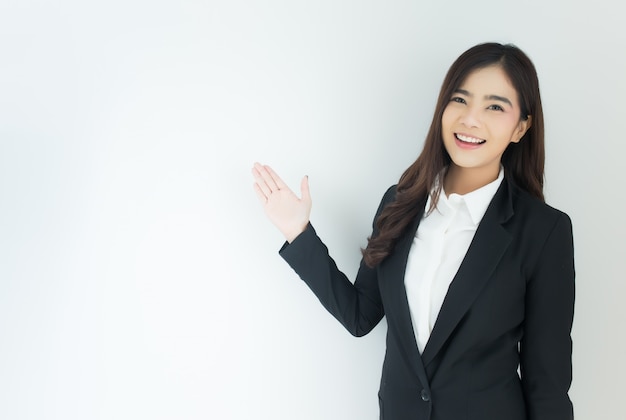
x=457 y=99
x=495 y=108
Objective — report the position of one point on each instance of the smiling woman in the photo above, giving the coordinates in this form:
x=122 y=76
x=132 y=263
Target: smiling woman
x=473 y=271
x=478 y=125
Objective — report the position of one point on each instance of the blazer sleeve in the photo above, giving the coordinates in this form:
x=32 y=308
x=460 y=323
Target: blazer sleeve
x=357 y=306
x=546 y=346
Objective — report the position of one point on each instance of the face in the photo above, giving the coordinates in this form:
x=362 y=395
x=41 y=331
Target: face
x=481 y=119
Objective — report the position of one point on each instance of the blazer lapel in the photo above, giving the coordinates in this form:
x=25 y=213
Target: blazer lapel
x=394 y=267
x=489 y=244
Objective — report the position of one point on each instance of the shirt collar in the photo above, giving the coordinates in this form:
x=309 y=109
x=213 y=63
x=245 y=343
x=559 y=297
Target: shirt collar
x=478 y=200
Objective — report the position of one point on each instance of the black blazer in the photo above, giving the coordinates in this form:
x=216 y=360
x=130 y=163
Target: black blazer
x=510 y=305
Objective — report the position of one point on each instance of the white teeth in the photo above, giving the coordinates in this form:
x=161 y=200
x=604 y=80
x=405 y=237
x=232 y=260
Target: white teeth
x=469 y=139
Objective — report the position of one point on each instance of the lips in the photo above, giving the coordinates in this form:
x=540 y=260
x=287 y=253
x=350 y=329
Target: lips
x=468 y=139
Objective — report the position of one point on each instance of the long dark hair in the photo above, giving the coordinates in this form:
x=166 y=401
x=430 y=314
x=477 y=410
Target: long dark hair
x=523 y=161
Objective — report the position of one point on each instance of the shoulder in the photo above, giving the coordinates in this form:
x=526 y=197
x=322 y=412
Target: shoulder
x=389 y=197
x=390 y=194
x=534 y=212
x=539 y=232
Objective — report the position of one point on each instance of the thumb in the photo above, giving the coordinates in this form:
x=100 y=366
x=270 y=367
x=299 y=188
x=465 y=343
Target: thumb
x=304 y=189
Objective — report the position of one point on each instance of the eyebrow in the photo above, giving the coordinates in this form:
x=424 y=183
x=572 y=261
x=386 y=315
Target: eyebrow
x=488 y=97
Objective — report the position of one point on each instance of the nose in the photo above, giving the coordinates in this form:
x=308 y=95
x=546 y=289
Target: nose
x=470 y=117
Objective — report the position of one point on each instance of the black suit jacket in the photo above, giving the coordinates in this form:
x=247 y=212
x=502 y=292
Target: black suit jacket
x=510 y=305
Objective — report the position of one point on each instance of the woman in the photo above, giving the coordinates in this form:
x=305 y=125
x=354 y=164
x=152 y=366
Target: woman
x=474 y=272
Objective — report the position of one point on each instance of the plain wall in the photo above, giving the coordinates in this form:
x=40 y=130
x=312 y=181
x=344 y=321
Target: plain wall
x=139 y=278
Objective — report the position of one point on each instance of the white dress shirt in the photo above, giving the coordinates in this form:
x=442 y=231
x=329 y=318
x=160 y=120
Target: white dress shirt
x=439 y=246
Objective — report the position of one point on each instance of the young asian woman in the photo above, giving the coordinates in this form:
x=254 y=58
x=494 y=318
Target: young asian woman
x=472 y=269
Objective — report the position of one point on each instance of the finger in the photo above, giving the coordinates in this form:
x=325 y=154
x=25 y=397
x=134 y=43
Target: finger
x=259 y=193
x=304 y=189
x=267 y=177
x=278 y=180
x=260 y=182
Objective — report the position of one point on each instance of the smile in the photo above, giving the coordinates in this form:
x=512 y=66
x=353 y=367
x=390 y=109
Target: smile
x=467 y=139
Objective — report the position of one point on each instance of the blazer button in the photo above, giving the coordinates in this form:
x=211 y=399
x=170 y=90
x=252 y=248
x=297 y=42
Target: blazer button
x=425 y=396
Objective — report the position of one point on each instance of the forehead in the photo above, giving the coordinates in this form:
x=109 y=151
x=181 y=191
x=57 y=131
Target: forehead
x=491 y=80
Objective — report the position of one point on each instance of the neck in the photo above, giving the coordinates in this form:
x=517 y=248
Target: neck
x=465 y=180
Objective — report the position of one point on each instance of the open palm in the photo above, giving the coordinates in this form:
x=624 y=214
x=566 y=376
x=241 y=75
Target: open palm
x=285 y=210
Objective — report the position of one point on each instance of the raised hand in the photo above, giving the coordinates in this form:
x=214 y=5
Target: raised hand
x=285 y=210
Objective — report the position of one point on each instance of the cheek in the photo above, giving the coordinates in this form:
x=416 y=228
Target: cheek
x=503 y=127
x=447 y=118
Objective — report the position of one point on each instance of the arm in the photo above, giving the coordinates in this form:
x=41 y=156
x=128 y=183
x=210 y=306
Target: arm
x=546 y=347
x=357 y=306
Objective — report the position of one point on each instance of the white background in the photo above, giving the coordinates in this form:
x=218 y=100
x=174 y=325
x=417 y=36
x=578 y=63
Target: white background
x=139 y=278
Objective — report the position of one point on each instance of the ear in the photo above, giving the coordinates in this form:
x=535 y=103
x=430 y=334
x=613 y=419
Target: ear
x=521 y=129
